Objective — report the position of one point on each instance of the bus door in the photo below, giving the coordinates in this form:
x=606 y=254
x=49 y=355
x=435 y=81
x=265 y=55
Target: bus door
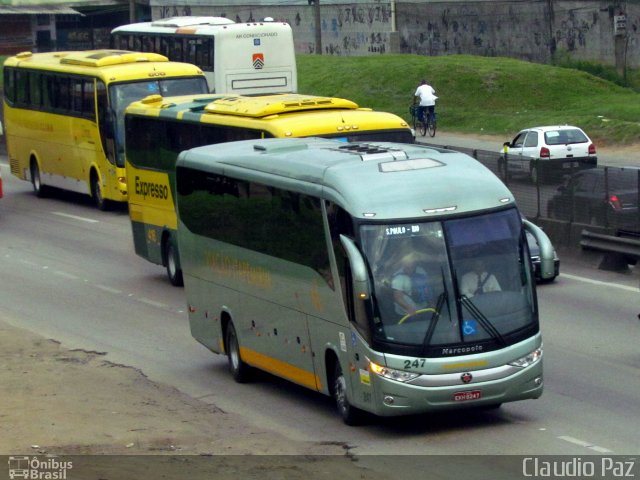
x=106 y=123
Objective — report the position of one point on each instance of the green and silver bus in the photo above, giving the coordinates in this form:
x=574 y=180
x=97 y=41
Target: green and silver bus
x=297 y=254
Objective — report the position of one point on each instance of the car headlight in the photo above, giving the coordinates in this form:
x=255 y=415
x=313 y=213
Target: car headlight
x=529 y=359
x=391 y=373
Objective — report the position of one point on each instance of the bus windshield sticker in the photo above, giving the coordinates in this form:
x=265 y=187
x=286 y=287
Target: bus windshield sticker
x=343 y=341
x=398 y=230
x=469 y=327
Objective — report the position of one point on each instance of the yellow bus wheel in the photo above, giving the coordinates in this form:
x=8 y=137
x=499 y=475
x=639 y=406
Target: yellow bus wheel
x=36 y=180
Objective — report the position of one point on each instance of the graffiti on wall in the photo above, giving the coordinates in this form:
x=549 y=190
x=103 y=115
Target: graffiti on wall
x=573 y=31
x=527 y=30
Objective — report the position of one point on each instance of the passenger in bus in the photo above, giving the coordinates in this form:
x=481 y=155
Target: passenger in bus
x=409 y=285
x=478 y=280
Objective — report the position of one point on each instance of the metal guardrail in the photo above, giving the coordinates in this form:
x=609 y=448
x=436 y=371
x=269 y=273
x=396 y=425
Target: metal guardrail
x=620 y=251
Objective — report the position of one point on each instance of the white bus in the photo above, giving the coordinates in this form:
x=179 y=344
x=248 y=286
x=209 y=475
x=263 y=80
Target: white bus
x=247 y=58
x=365 y=271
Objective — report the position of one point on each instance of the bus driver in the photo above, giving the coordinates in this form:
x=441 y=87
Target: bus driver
x=409 y=284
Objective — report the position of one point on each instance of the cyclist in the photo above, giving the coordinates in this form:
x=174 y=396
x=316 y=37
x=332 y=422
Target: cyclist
x=425 y=96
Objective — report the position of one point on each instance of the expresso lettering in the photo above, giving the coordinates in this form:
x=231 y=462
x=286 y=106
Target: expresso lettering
x=152 y=190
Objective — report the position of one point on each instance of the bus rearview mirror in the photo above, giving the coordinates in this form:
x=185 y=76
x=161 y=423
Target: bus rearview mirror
x=359 y=273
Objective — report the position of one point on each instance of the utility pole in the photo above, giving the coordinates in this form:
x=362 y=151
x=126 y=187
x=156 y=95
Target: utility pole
x=316 y=9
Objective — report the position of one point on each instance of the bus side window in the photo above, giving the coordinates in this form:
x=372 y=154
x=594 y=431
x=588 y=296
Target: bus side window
x=22 y=90
x=88 y=97
x=35 y=84
x=76 y=96
x=165 y=47
x=62 y=93
x=9 y=85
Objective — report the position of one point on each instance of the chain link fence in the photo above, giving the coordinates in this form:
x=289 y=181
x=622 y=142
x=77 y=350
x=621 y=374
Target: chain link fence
x=566 y=197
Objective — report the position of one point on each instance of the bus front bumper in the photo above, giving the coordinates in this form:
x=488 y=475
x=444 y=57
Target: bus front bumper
x=396 y=398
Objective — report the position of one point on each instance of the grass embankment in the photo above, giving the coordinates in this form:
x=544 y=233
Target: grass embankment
x=481 y=95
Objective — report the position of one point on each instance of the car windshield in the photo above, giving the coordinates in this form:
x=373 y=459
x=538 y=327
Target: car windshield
x=565 y=136
x=451 y=283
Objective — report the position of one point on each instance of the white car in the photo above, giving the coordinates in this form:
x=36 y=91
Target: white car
x=549 y=152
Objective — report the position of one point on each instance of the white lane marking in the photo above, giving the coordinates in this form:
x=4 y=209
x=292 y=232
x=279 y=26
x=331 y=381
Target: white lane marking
x=582 y=443
x=598 y=282
x=108 y=289
x=153 y=303
x=75 y=217
x=601 y=449
x=70 y=276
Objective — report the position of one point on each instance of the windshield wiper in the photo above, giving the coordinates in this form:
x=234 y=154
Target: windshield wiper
x=436 y=315
x=484 y=321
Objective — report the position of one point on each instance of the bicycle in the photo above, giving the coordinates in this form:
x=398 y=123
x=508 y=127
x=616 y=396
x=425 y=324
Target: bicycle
x=423 y=127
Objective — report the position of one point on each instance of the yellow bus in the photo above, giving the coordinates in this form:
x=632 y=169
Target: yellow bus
x=158 y=129
x=63 y=114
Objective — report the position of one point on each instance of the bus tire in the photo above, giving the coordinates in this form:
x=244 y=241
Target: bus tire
x=171 y=262
x=96 y=193
x=240 y=371
x=36 y=180
x=350 y=415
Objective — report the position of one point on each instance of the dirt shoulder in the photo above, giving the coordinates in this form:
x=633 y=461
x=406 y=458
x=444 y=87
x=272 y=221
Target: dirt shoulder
x=67 y=402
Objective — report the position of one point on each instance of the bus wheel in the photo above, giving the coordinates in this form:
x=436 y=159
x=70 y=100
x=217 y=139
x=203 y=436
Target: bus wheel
x=350 y=414
x=171 y=260
x=36 y=180
x=96 y=193
x=239 y=369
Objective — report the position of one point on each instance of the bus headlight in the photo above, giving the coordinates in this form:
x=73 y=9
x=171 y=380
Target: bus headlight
x=391 y=373
x=529 y=359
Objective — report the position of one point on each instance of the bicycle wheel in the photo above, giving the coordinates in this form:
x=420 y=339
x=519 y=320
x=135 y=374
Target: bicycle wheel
x=423 y=128
x=432 y=128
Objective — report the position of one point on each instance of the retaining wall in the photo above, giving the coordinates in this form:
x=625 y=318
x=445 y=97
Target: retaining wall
x=528 y=30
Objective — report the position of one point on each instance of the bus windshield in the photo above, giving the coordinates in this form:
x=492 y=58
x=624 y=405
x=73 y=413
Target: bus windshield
x=452 y=283
x=122 y=94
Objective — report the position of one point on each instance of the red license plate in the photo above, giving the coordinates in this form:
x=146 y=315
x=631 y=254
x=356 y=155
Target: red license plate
x=468 y=395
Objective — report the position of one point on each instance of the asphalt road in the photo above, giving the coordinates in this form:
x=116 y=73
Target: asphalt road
x=69 y=273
